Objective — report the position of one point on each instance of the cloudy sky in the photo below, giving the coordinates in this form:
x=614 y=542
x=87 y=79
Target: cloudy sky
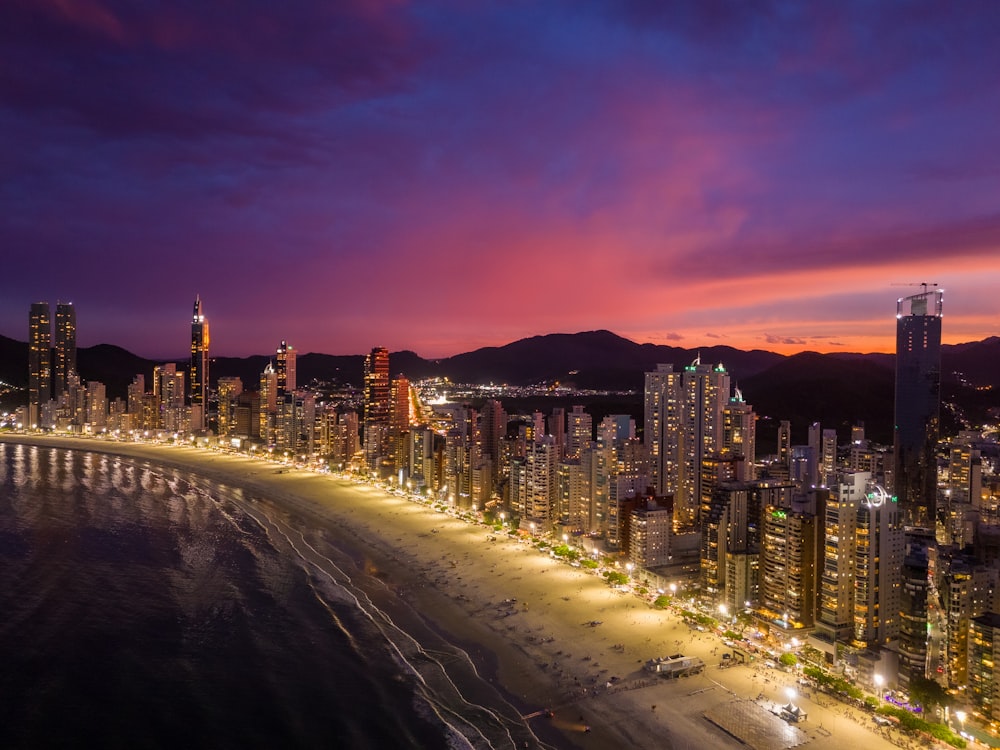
x=445 y=175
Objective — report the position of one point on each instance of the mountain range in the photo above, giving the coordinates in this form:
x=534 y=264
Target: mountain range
x=838 y=389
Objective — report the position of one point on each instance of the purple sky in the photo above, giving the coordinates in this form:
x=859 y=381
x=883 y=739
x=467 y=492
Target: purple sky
x=440 y=176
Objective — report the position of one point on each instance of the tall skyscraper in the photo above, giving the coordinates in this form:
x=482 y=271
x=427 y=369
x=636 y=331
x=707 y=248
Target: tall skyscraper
x=286 y=368
x=199 y=367
x=65 y=353
x=377 y=406
x=39 y=361
x=918 y=397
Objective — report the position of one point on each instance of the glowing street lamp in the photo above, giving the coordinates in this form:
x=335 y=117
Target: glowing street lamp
x=879 y=680
x=628 y=567
x=724 y=610
x=960 y=715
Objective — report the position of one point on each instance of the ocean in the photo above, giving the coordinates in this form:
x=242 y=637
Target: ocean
x=145 y=607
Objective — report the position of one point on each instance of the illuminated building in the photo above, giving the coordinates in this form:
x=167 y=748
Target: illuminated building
x=168 y=388
x=967 y=591
x=580 y=431
x=39 y=362
x=268 y=404
x=536 y=483
x=788 y=567
x=684 y=425
x=650 y=531
x=199 y=367
x=229 y=389
x=377 y=404
x=285 y=370
x=984 y=657
x=839 y=513
x=739 y=435
x=878 y=555
x=65 y=349
x=572 y=495
x=730 y=538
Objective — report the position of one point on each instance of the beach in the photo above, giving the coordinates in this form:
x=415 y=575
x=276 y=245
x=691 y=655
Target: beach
x=562 y=646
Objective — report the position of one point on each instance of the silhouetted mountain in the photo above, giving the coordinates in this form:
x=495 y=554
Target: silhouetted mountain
x=834 y=391
x=14 y=362
x=597 y=358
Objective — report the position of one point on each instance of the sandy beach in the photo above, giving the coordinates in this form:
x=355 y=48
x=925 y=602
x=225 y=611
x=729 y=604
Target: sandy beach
x=528 y=620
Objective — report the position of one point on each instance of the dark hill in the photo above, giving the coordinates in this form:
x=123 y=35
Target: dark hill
x=588 y=358
x=835 y=392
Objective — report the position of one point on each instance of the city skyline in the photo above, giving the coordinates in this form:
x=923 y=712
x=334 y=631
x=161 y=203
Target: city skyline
x=439 y=179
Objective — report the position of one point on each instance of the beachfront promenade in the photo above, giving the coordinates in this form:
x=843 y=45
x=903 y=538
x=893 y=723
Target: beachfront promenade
x=537 y=614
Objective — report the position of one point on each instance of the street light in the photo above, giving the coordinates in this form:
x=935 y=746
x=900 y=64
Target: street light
x=628 y=567
x=878 y=687
x=960 y=715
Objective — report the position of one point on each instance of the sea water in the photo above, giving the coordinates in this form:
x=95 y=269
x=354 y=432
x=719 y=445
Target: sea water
x=145 y=607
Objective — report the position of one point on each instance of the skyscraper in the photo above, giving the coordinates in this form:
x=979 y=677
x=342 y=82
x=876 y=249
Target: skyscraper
x=65 y=354
x=377 y=405
x=286 y=368
x=199 y=367
x=39 y=361
x=918 y=396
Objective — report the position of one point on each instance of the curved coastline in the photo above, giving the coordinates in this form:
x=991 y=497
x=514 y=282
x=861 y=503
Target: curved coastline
x=539 y=654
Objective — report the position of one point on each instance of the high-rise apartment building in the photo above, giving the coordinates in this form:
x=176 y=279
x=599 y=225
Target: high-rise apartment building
x=168 y=388
x=198 y=378
x=229 y=390
x=984 y=655
x=268 y=414
x=878 y=555
x=579 y=431
x=39 y=362
x=65 y=349
x=788 y=568
x=684 y=425
x=917 y=408
x=739 y=435
x=839 y=513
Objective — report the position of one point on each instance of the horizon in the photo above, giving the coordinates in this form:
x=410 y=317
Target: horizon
x=438 y=178
x=213 y=355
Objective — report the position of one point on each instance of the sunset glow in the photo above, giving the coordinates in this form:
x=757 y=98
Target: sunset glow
x=441 y=176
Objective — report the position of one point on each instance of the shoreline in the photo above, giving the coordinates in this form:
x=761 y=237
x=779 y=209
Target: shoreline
x=542 y=653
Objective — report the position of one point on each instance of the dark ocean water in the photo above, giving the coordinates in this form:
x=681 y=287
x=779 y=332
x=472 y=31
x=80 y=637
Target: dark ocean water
x=142 y=607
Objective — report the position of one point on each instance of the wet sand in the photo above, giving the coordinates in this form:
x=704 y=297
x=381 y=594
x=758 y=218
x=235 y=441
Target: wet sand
x=541 y=650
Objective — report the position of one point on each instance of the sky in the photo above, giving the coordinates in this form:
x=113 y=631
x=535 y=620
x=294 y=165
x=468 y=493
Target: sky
x=440 y=176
